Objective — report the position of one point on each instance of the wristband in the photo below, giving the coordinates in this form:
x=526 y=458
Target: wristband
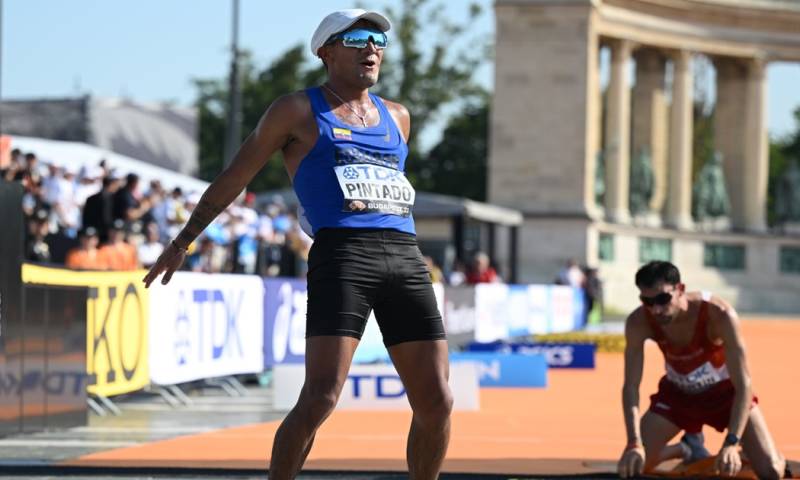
x=632 y=445
x=731 y=440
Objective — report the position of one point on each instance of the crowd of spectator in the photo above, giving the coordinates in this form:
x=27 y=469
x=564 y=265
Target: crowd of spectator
x=584 y=277
x=96 y=219
x=478 y=269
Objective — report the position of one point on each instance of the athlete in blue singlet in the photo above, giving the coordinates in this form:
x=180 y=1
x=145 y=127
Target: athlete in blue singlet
x=345 y=150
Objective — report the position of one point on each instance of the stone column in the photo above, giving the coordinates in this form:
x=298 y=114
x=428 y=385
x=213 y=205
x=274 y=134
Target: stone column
x=679 y=202
x=729 y=131
x=756 y=167
x=618 y=134
x=594 y=123
x=541 y=109
x=650 y=119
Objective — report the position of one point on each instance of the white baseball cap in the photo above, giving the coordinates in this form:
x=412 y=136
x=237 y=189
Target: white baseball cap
x=339 y=21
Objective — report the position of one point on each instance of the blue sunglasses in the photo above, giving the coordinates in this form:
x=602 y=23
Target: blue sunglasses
x=360 y=37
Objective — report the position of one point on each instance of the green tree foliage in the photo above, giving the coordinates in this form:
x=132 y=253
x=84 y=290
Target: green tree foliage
x=288 y=73
x=429 y=65
x=457 y=164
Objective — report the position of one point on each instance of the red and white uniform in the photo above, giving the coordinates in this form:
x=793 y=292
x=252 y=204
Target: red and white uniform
x=697 y=389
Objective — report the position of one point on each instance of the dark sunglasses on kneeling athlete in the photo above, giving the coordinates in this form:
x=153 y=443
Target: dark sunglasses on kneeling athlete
x=661 y=299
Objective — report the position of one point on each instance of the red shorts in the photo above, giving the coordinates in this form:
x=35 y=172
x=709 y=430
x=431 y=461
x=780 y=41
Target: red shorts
x=691 y=411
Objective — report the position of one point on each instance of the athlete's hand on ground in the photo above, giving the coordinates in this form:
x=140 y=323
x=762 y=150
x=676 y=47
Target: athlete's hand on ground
x=632 y=462
x=170 y=260
x=728 y=462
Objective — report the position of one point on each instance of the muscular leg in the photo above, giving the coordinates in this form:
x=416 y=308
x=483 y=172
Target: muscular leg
x=670 y=452
x=759 y=447
x=328 y=360
x=423 y=367
x=657 y=431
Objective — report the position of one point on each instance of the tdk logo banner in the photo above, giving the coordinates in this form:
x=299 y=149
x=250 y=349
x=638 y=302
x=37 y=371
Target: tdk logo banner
x=375 y=387
x=506 y=369
x=206 y=326
x=558 y=355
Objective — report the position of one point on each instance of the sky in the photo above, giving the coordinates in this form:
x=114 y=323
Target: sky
x=150 y=50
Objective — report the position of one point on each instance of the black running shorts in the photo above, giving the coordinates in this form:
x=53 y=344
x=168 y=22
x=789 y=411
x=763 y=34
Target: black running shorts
x=354 y=271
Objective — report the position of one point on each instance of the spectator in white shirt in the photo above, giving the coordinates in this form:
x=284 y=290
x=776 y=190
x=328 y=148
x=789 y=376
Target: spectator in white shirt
x=572 y=275
x=151 y=248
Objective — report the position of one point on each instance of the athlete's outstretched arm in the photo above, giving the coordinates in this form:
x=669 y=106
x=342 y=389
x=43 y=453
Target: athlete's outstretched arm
x=726 y=322
x=272 y=132
x=632 y=461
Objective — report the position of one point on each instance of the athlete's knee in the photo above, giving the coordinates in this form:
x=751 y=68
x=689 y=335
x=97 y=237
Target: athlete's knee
x=435 y=408
x=653 y=453
x=770 y=469
x=652 y=458
x=318 y=399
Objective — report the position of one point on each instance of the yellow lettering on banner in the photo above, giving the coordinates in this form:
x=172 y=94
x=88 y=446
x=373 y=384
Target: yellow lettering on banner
x=116 y=325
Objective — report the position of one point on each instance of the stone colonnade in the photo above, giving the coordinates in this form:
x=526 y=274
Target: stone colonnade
x=666 y=132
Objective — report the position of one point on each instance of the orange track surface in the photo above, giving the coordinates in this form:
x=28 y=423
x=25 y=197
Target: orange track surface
x=574 y=426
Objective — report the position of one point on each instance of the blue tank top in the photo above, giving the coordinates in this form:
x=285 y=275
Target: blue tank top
x=354 y=177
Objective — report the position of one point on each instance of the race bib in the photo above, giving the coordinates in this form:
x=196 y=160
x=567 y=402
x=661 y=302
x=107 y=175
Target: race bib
x=698 y=379
x=373 y=188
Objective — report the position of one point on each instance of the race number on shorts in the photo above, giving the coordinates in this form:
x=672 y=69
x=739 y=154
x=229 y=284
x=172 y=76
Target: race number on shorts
x=373 y=188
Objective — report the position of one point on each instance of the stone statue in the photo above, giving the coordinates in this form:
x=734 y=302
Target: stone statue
x=787 y=195
x=709 y=196
x=600 y=179
x=641 y=183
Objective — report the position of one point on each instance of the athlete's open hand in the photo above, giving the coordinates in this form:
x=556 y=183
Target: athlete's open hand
x=728 y=462
x=632 y=462
x=170 y=260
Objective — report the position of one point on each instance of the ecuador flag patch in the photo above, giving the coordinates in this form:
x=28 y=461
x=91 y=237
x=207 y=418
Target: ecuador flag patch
x=342 y=133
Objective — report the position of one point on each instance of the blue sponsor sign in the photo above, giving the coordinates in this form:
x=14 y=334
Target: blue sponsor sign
x=285 y=303
x=558 y=355
x=506 y=369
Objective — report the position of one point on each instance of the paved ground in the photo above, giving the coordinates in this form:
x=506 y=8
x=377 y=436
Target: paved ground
x=146 y=418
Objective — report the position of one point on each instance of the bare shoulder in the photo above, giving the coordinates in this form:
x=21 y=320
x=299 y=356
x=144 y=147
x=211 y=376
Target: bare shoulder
x=722 y=315
x=285 y=118
x=400 y=114
x=636 y=326
x=295 y=103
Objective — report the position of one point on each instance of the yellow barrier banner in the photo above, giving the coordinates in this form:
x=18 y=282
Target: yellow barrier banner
x=116 y=325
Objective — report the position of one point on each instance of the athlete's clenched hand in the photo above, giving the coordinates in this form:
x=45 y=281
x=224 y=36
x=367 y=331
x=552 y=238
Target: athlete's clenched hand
x=728 y=462
x=170 y=260
x=632 y=462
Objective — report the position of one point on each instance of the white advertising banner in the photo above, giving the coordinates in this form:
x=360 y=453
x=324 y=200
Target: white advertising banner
x=508 y=311
x=205 y=326
x=490 y=312
x=539 y=300
x=562 y=304
x=375 y=387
